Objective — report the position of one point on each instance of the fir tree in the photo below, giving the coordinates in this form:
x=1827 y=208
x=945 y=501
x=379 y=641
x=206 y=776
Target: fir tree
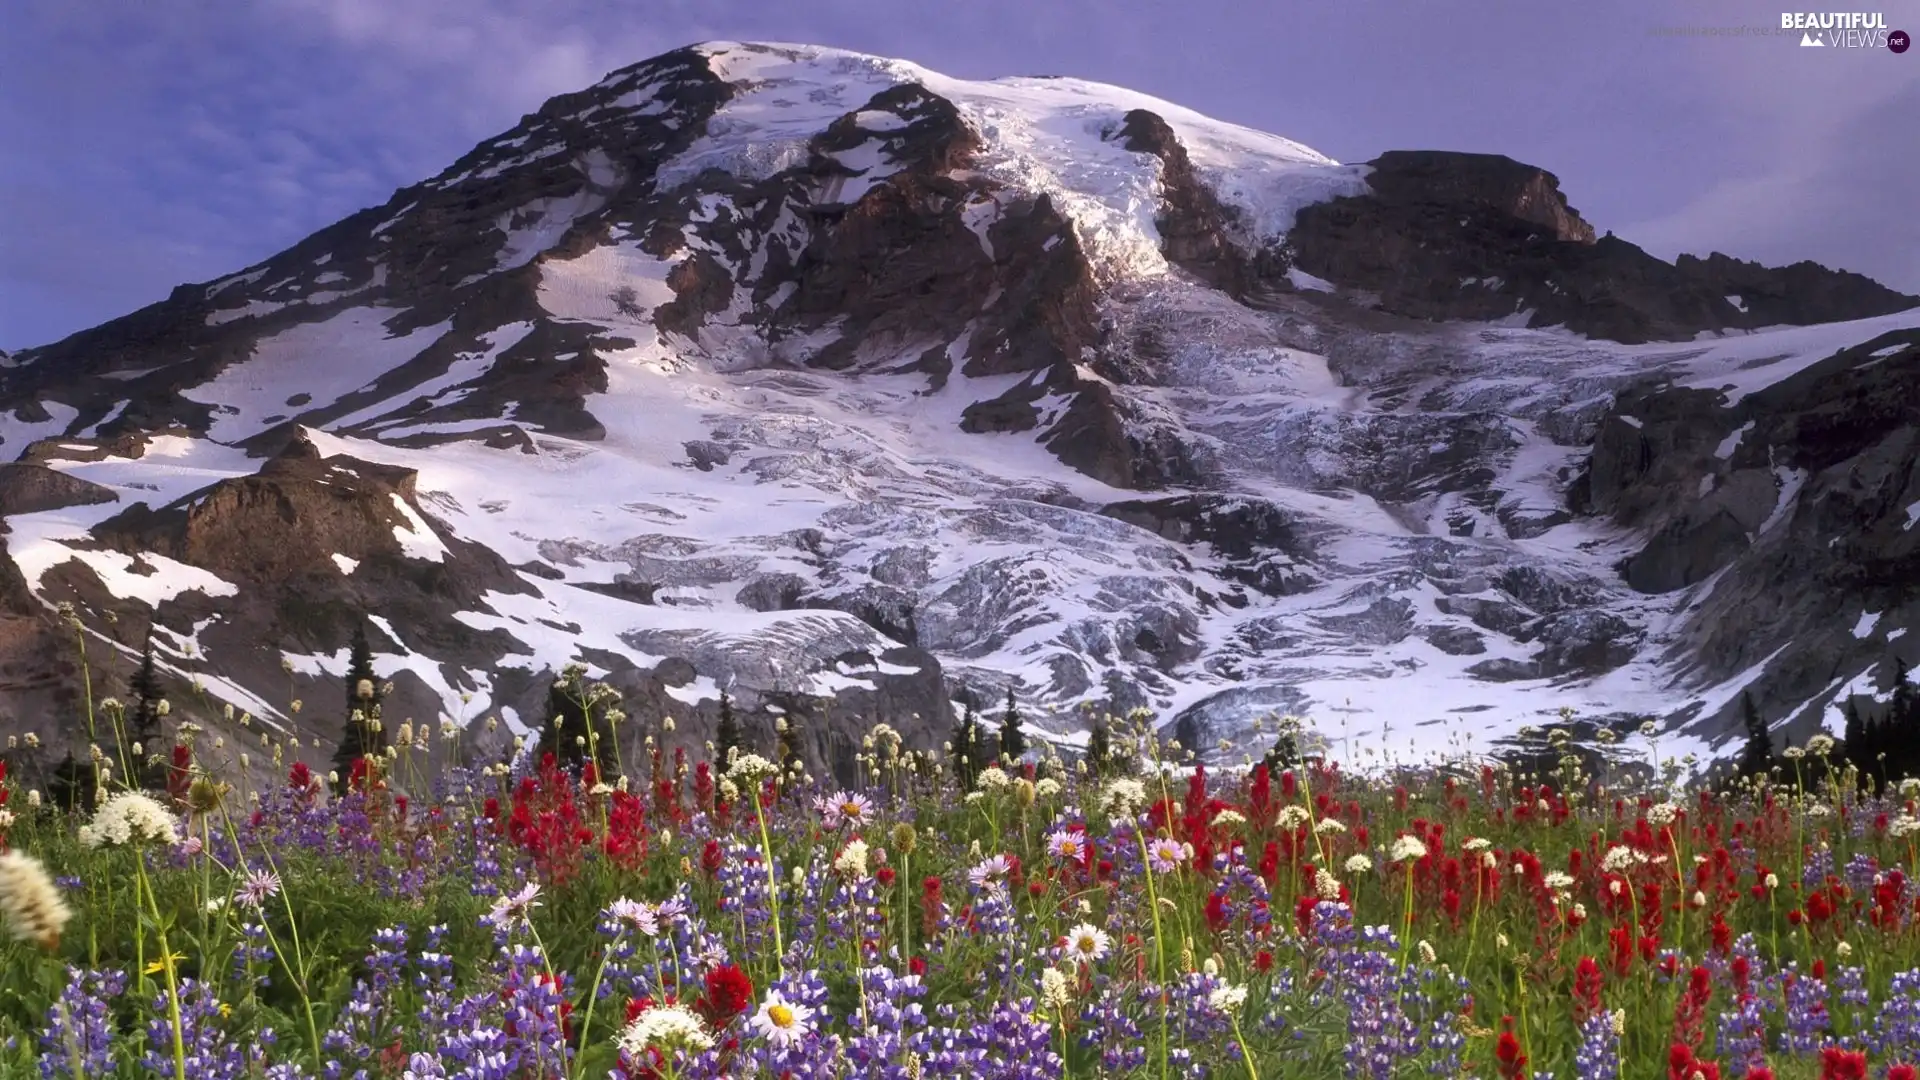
x=1013 y=741
x=1186 y=734
x=1284 y=753
x=1898 y=734
x=1856 y=737
x=72 y=785
x=1100 y=749
x=966 y=747
x=143 y=722
x=792 y=734
x=727 y=738
x=577 y=720
x=1757 y=756
x=362 y=735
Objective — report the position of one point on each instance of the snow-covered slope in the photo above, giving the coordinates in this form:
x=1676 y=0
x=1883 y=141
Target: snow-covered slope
x=819 y=375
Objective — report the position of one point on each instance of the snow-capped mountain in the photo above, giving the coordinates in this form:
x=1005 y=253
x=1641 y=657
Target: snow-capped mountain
x=856 y=389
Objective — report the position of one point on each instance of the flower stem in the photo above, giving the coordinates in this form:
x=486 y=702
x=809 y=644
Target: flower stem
x=166 y=965
x=773 y=885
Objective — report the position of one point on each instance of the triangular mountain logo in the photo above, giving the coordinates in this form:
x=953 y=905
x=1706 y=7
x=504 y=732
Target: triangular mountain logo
x=1807 y=39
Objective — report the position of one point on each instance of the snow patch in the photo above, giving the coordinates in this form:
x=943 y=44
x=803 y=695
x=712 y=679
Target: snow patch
x=1307 y=282
x=325 y=360
x=1731 y=444
x=417 y=538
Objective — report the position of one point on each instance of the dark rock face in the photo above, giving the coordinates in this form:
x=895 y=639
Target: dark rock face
x=1799 y=294
x=1490 y=182
x=1476 y=236
x=1196 y=228
x=1798 y=497
x=28 y=488
x=1267 y=549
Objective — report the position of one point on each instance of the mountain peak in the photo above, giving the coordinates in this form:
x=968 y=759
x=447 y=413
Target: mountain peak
x=820 y=375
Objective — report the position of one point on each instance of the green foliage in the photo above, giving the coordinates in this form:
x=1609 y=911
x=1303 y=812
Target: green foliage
x=1013 y=741
x=579 y=725
x=1100 y=761
x=727 y=736
x=363 y=734
x=969 y=756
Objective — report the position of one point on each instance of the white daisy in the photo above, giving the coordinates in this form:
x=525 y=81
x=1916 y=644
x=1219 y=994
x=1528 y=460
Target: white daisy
x=782 y=1022
x=1165 y=855
x=1087 y=943
x=634 y=916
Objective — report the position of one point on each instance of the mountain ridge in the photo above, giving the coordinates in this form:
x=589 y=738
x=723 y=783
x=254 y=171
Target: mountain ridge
x=868 y=384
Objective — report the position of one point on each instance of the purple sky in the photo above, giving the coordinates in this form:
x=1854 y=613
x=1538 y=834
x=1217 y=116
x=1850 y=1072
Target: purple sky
x=153 y=144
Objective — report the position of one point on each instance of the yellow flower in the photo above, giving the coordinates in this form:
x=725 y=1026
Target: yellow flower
x=165 y=962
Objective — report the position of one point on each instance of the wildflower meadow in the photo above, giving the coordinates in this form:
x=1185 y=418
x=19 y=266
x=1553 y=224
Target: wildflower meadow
x=1109 y=916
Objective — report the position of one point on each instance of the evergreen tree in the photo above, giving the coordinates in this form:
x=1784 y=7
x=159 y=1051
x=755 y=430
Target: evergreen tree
x=577 y=720
x=1284 y=754
x=1100 y=749
x=1757 y=756
x=966 y=747
x=1186 y=734
x=1856 y=737
x=1898 y=734
x=792 y=736
x=143 y=721
x=727 y=738
x=1013 y=741
x=362 y=735
x=72 y=785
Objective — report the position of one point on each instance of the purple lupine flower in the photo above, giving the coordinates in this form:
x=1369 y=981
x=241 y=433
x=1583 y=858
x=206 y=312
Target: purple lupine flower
x=1598 y=1057
x=78 y=1040
x=210 y=1054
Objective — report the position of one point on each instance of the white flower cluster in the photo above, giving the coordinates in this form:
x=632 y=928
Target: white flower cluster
x=851 y=863
x=1124 y=798
x=1228 y=999
x=130 y=818
x=1408 y=849
x=665 y=1027
x=1326 y=885
x=751 y=769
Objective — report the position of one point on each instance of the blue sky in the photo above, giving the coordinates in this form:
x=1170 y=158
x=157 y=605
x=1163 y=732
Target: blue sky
x=153 y=144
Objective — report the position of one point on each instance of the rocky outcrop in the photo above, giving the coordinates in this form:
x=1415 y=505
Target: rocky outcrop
x=1477 y=236
x=1197 y=231
x=1796 y=504
x=1488 y=182
x=28 y=487
x=1797 y=294
x=1266 y=549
